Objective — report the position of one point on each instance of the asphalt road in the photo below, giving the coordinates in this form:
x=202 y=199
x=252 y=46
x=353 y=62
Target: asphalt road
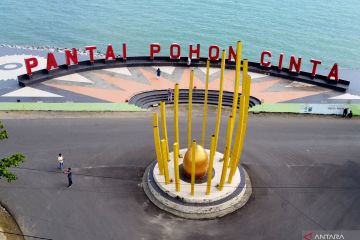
x=305 y=173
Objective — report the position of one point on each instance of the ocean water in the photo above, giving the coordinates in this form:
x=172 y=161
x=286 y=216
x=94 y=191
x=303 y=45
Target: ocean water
x=324 y=29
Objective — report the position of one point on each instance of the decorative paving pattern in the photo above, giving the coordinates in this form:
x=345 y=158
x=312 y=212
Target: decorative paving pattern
x=347 y=96
x=12 y=65
x=117 y=85
x=120 y=84
x=74 y=78
x=30 y=92
x=124 y=71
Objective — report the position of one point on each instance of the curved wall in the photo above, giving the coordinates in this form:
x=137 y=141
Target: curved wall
x=43 y=75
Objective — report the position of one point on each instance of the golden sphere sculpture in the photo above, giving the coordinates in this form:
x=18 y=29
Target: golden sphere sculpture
x=201 y=162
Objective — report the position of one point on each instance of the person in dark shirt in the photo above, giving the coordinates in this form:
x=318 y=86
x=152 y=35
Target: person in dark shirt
x=158 y=72
x=69 y=175
x=345 y=112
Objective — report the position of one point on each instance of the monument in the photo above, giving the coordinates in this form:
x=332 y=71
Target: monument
x=194 y=182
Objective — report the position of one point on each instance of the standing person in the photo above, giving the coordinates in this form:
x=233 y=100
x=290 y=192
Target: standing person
x=169 y=94
x=61 y=161
x=189 y=61
x=69 y=175
x=158 y=73
x=345 y=112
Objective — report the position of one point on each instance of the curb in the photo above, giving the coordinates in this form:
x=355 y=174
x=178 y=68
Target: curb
x=196 y=216
x=70 y=107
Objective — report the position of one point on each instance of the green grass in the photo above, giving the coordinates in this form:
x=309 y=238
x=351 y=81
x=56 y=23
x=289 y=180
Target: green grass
x=70 y=107
x=277 y=108
x=356 y=109
x=292 y=108
x=124 y=107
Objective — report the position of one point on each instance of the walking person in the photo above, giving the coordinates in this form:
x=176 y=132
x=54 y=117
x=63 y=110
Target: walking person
x=69 y=176
x=158 y=73
x=61 y=161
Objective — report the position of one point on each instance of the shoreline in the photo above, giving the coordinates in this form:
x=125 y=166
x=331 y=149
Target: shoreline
x=101 y=54
x=81 y=51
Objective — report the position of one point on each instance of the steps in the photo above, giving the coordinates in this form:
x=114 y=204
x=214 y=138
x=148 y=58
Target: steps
x=151 y=98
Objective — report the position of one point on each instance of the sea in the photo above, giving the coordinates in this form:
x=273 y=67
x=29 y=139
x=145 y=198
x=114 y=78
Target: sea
x=328 y=30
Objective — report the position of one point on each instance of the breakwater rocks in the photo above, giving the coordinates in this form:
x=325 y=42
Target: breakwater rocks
x=81 y=51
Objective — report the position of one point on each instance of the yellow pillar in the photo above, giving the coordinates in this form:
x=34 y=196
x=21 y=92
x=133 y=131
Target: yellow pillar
x=205 y=103
x=176 y=114
x=163 y=126
x=176 y=167
x=155 y=120
x=237 y=79
x=165 y=161
x=244 y=76
x=191 y=86
x=193 y=149
x=218 y=118
x=242 y=99
x=157 y=143
x=211 y=163
x=246 y=114
x=246 y=93
x=226 y=153
x=238 y=133
x=236 y=88
x=243 y=129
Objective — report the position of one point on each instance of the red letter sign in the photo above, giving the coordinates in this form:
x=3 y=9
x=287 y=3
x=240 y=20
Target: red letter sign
x=30 y=63
x=124 y=50
x=281 y=58
x=196 y=50
x=315 y=63
x=71 y=56
x=217 y=52
x=91 y=52
x=294 y=64
x=262 y=62
x=51 y=62
x=232 y=54
x=110 y=53
x=154 y=48
x=177 y=55
x=334 y=73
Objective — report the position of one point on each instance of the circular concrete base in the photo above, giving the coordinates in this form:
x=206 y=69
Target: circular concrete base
x=217 y=207
x=200 y=184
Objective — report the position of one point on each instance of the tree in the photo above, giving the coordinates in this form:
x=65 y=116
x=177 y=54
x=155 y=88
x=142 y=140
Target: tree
x=11 y=161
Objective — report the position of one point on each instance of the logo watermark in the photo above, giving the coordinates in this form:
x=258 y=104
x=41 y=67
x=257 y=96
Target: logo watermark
x=330 y=235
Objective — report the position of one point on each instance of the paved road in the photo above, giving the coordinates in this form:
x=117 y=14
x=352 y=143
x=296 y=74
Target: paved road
x=305 y=173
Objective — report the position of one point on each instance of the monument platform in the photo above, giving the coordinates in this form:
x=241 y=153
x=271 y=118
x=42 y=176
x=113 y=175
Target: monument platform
x=199 y=206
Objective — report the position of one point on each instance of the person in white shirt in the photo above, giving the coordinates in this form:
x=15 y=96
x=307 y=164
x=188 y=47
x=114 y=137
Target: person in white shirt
x=61 y=161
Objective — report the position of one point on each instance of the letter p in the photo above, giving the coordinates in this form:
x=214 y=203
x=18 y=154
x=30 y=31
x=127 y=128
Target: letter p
x=30 y=63
x=154 y=48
